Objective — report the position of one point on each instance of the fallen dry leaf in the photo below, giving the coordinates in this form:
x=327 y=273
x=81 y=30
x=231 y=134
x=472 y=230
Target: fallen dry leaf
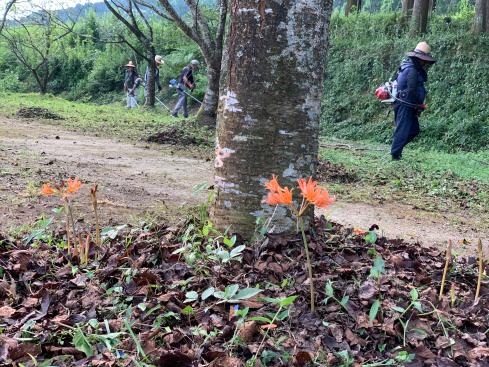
x=248 y=331
x=6 y=311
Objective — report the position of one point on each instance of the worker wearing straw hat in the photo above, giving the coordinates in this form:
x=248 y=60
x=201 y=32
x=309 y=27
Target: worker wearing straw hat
x=410 y=99
x=131 y=82
x=158 y=61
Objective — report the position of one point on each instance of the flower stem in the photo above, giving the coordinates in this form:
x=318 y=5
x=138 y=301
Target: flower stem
x=70 y=212
x=445 y=270
x=68 y=243
x=481 y=269
x=93 y=192
x=309 y=265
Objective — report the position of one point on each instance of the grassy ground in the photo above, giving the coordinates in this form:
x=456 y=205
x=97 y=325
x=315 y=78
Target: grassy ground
x=108 y=120
x=428 y=180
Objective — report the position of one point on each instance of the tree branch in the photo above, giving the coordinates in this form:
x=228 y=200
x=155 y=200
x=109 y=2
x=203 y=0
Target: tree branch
x=180 y=22
x=4 y=17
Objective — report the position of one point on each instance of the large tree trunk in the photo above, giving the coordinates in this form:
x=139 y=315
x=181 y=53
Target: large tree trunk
x=208 y=112
x=481 y=16
x=419 y=22
x=355 y=5
x=268 y=117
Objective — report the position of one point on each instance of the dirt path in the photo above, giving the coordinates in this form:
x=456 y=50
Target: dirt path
x=134 y=179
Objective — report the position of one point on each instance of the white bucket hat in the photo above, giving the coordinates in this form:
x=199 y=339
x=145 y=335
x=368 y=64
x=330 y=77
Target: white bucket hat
x=159 y=60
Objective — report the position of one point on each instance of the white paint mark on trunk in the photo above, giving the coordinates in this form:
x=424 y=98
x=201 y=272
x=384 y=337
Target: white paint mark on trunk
x=249 y=121
x=247 y=10
x=290 y=172
x=231 y=103
x=240 y=138
x=287 y=133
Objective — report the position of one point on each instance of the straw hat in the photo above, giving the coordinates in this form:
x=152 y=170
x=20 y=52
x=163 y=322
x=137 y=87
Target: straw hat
x=130 y=64
x=159 y=60
x=422 y=52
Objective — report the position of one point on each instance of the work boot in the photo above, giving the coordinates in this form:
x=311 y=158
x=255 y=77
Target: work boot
x=396 y=157
x=174 y=114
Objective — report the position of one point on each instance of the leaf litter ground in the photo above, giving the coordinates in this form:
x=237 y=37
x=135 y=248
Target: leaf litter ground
x=377 y=304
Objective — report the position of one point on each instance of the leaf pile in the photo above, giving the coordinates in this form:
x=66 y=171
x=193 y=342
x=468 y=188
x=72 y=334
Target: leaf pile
x=328 y=171
x=139 y=304
x=38 y=112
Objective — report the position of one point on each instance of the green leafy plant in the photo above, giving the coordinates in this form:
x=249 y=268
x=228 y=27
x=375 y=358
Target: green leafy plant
x=281 y=303
x=231 y=294
x=330 y=295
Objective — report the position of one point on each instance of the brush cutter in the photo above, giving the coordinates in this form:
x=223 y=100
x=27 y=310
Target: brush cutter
x=174 y=84
x=164 y=105
x=157 y=99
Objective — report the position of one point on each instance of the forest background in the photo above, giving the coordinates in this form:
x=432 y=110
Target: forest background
x=366 y=49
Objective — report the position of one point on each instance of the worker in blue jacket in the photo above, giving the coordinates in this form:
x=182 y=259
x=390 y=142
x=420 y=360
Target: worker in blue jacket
x=411 y=94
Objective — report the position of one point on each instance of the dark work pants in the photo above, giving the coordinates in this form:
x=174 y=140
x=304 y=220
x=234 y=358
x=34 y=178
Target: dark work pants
x=407 y=128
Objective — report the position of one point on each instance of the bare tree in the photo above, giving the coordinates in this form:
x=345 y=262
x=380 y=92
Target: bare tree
x=131 y=14
x=481 y=19
x=419 y=21
x=268 y=119
x=33 y=41
x=8 y=6
x=198 y=29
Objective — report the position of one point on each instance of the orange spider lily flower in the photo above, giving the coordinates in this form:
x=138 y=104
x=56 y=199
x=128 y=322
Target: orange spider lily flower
x=359 y=232
x=273 y=185
x=323 y=199
x=73 y=185
x=47 y=190
x=283 y=197
x=308 y=189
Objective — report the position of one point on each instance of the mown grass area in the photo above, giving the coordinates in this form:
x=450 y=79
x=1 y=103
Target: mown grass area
x=428 y=180
x=112 y=120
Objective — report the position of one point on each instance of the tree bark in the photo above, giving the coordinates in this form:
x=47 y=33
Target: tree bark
x=481 y=16
x=486 y=19
x=355 y=5
x=407 y=8
x=208 y=111
x=419 y=22
x=268 y=116
x=150 y=99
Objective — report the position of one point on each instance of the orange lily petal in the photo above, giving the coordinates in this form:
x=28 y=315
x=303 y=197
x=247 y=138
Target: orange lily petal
x=359 y=232
x=73 y=185
x=323 y=199
x=47 y=190
x=308 y=189
x=273 y=185
x=283 y=197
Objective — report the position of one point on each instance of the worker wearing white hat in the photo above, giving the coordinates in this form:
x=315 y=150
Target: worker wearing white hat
x=158 y=61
